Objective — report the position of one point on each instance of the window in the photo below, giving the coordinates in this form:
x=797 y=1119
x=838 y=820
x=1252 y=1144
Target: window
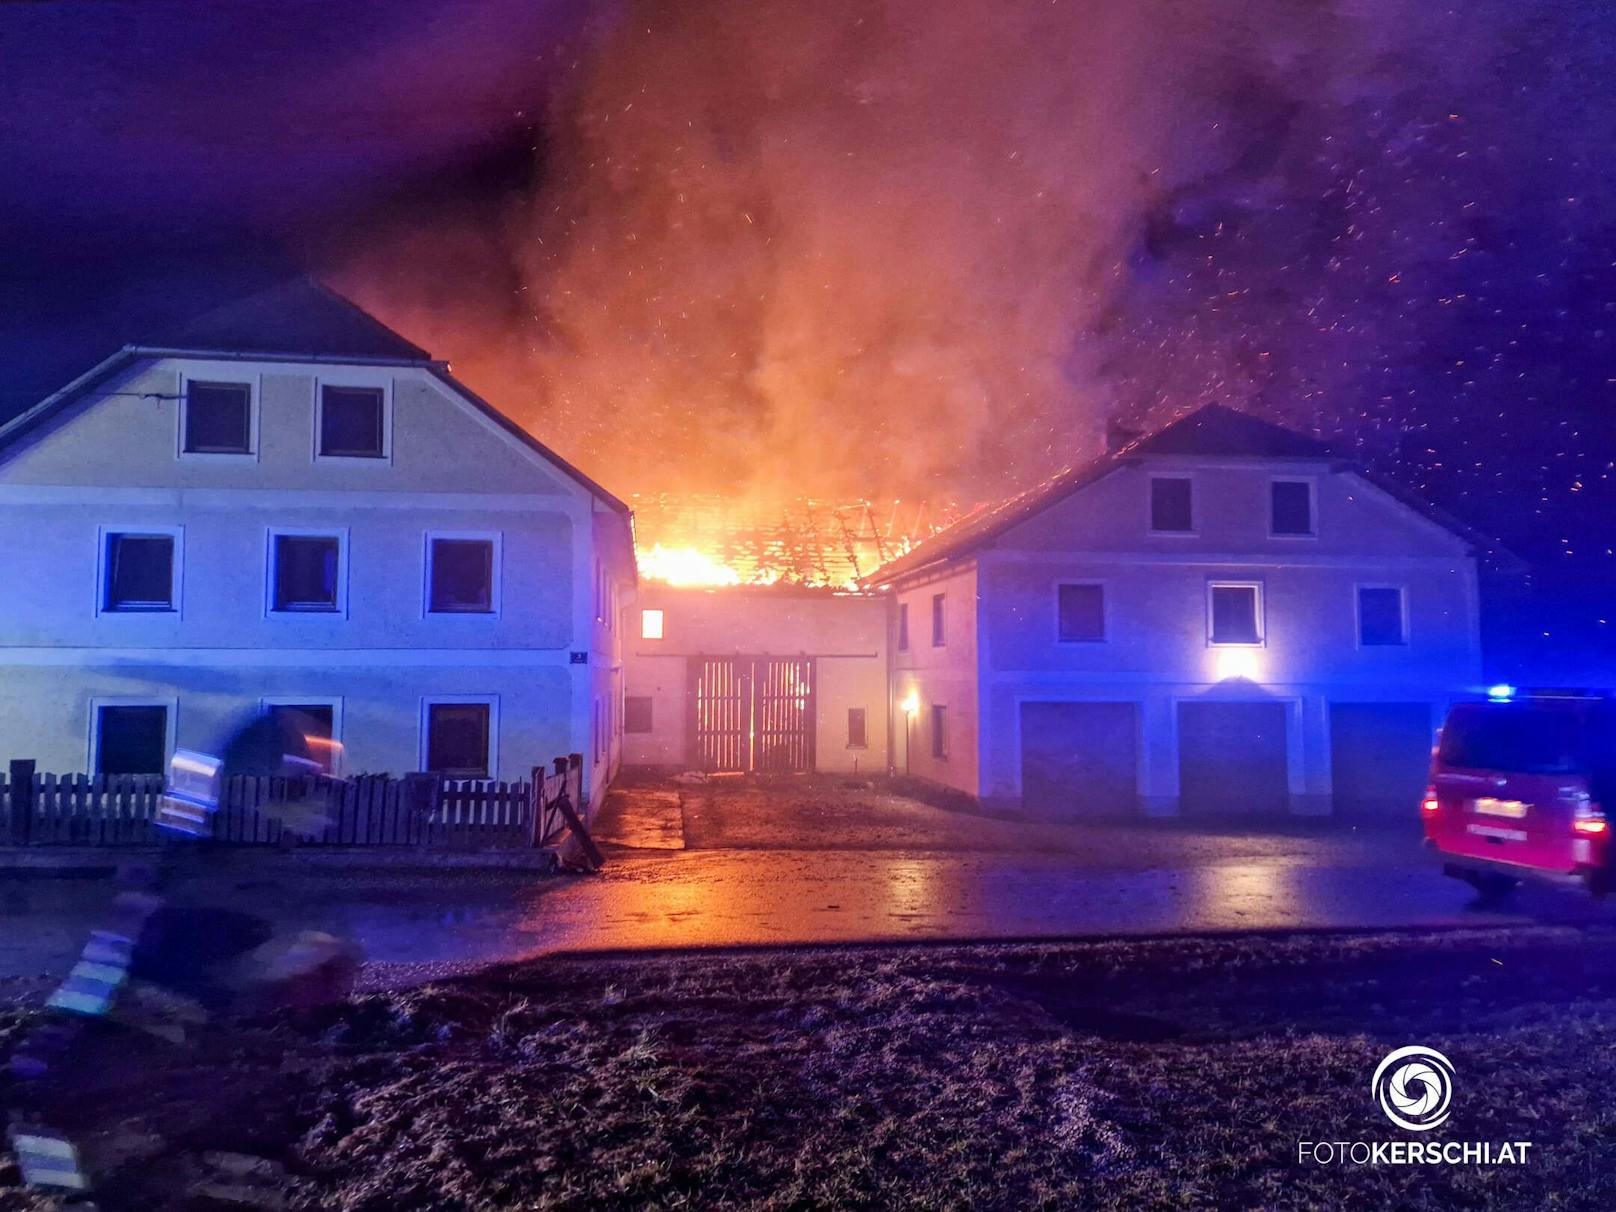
x=938 y=620
x=305 y=573
x=1235 y=612
x=353 y=422
x=460 y=575
x=903 y=626
x=317 y=721
x=458 y=736
x=1171 y=505
x=1381 y=621
x=138 y=574
x=1292 y=508
x=857 y=732
x=939 y=731
x=217 y=418
x=1082 y=613
x=131 y=738
x=650 y=624
x=637 y=713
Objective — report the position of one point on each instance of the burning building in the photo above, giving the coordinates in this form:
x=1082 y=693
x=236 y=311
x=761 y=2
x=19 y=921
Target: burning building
x=1217 y=617
x=750 y=646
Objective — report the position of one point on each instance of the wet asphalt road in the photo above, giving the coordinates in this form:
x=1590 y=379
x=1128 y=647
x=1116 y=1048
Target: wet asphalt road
x=700 y=867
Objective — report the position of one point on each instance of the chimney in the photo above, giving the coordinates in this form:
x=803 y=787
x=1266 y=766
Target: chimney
x=1118 y=435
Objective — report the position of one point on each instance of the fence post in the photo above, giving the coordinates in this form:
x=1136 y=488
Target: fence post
x=535 y=806
x=575 y=781
x=22 y=800
x=420 y=798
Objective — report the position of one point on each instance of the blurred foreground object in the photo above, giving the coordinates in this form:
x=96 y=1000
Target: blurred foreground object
x=191 y=794
x=164 y=968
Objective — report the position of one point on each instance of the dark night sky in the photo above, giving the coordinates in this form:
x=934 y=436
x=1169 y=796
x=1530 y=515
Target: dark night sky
x=659 y=230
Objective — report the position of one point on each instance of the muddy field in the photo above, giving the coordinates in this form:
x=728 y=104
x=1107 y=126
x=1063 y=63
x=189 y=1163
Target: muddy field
x=1147 y=1074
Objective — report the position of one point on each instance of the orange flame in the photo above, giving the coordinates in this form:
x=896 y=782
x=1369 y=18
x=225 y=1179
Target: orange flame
x=685 y=566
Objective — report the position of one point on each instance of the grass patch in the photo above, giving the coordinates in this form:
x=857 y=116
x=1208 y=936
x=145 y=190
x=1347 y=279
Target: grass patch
x=1145 y=1074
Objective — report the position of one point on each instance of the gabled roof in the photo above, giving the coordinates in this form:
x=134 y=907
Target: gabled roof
x=297 y=316
x=1212 y=431
x=979 y=528
x=1218 y=431
x=268 y=325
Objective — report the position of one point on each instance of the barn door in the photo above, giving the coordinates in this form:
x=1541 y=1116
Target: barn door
x=752 y=713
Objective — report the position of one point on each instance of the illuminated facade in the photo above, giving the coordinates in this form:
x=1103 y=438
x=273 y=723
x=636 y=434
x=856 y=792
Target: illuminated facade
x=777 y=678
x=1219 y=618
x=287 y=505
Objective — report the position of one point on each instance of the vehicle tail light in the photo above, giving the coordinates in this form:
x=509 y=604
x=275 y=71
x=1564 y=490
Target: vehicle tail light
x=1588 y=817
x=1430 y=803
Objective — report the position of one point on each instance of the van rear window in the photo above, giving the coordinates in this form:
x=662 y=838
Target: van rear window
x=1526 y=738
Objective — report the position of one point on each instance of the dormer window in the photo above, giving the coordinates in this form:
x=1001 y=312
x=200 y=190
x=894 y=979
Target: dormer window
x=217 y=418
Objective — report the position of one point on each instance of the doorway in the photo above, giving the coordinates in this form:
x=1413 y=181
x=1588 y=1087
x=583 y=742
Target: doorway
x=752 y=714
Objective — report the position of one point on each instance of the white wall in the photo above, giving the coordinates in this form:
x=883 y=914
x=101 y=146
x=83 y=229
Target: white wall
x=927 y=674
x=113 y=462
x=845 y=634
x=1156 y=652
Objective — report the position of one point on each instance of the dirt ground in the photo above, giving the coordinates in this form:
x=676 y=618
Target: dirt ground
x=829 y=813
x=1146 y=1074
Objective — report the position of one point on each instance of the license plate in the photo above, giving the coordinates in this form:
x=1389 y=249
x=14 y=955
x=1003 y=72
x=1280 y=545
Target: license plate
x=1496 y=833
x=1487 y=806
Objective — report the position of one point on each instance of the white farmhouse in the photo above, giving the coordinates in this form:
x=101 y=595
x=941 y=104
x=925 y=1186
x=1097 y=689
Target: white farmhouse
x=1220 y=617
x=288 y=504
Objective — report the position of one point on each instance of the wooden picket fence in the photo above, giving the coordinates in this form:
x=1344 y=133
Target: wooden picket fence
x=418 y=811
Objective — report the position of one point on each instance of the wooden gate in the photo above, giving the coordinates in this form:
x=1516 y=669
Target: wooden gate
x=752 y=713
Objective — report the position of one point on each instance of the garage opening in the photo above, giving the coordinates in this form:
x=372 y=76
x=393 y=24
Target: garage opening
x=1380 y=754
x=1079 y=760
x=752 y=714
x=1231 y=759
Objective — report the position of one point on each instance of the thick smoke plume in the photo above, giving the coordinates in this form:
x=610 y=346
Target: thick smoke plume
x=903 y=247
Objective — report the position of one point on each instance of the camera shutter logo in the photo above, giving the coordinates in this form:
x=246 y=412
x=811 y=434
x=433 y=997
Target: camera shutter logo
x=1414 y=1086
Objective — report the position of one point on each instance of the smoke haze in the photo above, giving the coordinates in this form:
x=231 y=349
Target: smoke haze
x=908 y=248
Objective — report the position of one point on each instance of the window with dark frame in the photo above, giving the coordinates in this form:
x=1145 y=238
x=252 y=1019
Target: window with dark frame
x=903 y=626
x=317 y=722
x=218 y=418
x=1291 y=508
x=637 y=713
x=313 y=719
x=457 y=739
x=306 y=573
x=1171 y=505
x=1380 y=616
x=139 y=573
x=1082 y=613
x=939 y=731
x=939 y=620
x=857 y=728
x=1235 y=613
x=131 y=739
x=352 y=422
x=462 y=577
